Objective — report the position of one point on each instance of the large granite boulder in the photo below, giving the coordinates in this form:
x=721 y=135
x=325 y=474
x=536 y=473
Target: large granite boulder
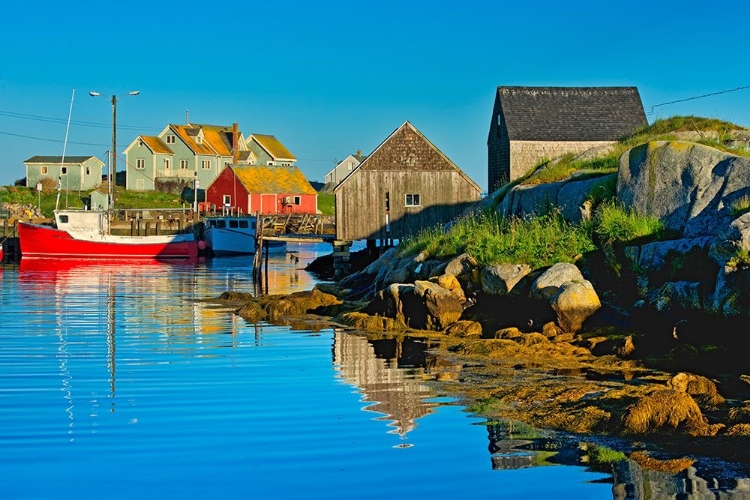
x=574 y=303
x=549 y=282
x=570 y=196
x=442 y=306
x=689 y=186
x=500 y=279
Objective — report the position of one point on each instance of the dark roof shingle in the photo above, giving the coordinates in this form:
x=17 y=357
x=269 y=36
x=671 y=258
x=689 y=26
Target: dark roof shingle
x=570 y=113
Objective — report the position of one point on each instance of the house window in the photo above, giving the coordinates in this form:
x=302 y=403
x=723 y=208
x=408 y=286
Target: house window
x=387 y=201
x=199 y=139
x=227 y=200
x=64 y=170
x=170 y=139
x=45 y=170
x=412 y=200
x=167 y=163
x=88 y=170
x=297 y=200
x=206 y=164
x=350 y=165
x=183 y=164
x=140 y=164
x=269 y=162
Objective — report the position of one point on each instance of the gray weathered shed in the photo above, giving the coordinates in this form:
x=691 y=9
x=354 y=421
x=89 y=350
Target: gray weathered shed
x=530 y=124
x=404 y=186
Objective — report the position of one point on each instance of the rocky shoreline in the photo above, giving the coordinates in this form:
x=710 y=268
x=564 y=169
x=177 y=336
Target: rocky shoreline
x=592 y=382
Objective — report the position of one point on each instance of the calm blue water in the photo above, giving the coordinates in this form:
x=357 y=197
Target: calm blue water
x=116 y=381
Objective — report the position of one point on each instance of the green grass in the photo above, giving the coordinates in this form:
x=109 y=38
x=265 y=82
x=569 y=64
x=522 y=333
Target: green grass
x=326 y=203
x=492 y=239
x=614 y=224
x=740 y=206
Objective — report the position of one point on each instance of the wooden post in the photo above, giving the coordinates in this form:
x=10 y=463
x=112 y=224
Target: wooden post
x=258 y=247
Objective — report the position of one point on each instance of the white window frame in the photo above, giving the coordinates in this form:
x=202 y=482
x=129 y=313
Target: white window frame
x=184 y=165
x=412 y=200
x=170 y=139
x=206 y=164
x=45 y=170
x=167 y=163
x=140 y=163
x=298 y=200
x=226 y=200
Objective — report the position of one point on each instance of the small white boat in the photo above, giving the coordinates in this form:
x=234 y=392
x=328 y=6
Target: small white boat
x=235 y=235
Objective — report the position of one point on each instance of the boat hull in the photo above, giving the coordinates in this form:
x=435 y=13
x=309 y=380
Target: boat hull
x=224 y=240
x=42 y=242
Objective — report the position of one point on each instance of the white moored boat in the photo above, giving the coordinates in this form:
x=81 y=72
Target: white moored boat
x=235 y=235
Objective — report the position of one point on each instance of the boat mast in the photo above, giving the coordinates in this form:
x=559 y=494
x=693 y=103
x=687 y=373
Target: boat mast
x=62 y=161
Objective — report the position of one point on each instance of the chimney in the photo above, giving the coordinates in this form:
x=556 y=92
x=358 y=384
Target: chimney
x=359 y=152
x=235 y=143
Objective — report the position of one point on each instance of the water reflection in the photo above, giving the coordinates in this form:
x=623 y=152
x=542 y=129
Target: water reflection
x=399 y=394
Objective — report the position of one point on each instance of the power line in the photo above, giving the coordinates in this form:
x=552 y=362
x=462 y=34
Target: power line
x=699 y=97
x=48 y=119
x=50 y=140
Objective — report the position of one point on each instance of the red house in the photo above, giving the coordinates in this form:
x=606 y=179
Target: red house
x=264 y=189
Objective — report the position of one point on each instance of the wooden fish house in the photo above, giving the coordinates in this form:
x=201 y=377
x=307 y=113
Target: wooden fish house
x=406 y=185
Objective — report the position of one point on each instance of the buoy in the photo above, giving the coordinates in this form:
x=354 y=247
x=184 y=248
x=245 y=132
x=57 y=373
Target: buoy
x=201 y=245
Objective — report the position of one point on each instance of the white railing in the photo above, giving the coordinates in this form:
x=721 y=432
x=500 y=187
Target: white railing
x=178 y=173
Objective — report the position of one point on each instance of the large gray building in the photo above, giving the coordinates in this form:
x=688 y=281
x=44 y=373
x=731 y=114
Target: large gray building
x=530 y=124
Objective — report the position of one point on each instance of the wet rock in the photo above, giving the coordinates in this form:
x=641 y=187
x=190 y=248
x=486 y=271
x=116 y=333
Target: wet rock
x=501 y=278
x=701 y=388
x=367 y=323
x=666 y=409
x=450 y=283
x=464 y=328
x=621 y=347
x=574 y=303
x=443 y=308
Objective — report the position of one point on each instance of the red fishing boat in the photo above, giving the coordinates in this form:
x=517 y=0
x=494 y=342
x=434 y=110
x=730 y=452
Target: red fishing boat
x=85 y=234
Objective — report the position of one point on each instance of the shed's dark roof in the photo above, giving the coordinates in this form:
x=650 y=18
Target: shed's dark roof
x=72 y=160
x=570 y=113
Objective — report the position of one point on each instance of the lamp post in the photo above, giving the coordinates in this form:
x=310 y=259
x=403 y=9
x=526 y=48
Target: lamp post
x=39 y=190
x=112 y=177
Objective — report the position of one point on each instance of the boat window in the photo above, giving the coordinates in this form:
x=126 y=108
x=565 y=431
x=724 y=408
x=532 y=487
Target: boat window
x=221 y=223
x=234 y=224
x=62 y=219
x=243 y=224
x=253 y=225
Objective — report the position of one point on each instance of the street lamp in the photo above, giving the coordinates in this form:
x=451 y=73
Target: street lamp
x=39 y=190
x=113 y=154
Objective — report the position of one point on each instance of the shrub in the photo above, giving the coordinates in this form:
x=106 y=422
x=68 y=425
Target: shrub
x=740 y=206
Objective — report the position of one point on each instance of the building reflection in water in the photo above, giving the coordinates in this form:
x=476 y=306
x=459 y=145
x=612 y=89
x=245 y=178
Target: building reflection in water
x=390 y=375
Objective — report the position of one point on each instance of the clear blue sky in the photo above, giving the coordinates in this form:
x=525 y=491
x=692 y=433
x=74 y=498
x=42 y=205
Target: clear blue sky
x=330 y=77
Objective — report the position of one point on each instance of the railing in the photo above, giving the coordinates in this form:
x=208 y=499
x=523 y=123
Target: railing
x=175 y=173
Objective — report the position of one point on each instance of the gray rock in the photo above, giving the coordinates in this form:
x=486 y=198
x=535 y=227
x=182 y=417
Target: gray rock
x=459 y=265
x=573 y=196
x=690 y=187
x=683 y=294
x=547 y=285
x=501 y=278
x=656 y=256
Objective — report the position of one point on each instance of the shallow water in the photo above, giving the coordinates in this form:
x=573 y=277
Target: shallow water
x=118 y=381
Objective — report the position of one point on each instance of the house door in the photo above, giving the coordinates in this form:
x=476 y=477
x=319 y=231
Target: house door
x=268 y=204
